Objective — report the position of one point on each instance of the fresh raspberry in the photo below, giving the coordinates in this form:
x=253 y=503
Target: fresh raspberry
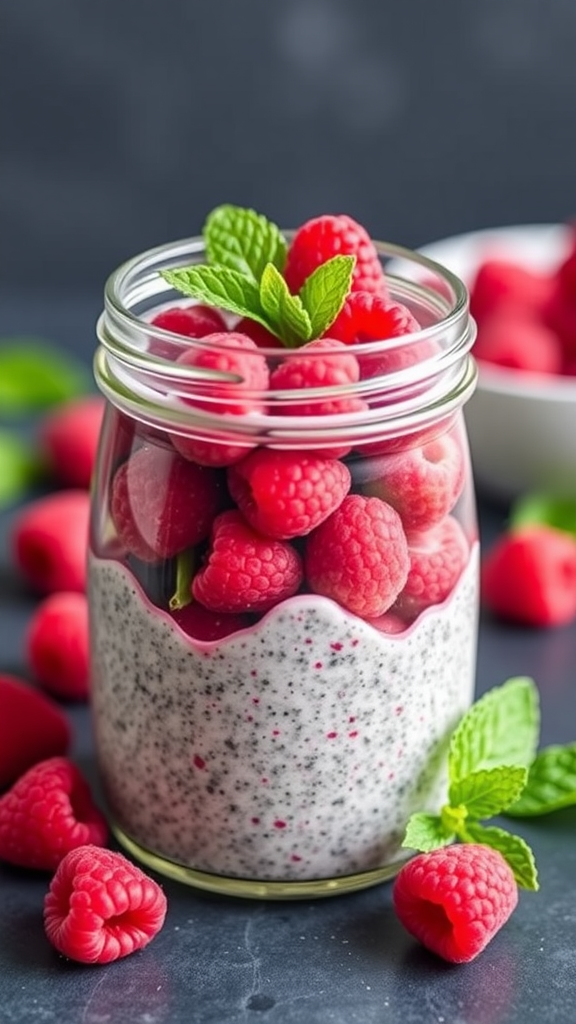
x=161 y=503
x=32 y=728
x=231 y=353
x=404 y=442
x=322 y=238
x=245 y=572
x=560 y=317
x=437 y=559
x=454 y=900
x=202 y=624
x=262 y=337
x=287 y=494
x=510 y=338
x=423 y=484
x=359 y=556
x=366 y=317
x=390 y=623
x=48 y=812
x=195 y=321
x=324 y=363
x=566 y=272
x=57 y=645
x=50 y=540
x=499 y=281
x=68 y=440
x=101 y=907
x=529 y=576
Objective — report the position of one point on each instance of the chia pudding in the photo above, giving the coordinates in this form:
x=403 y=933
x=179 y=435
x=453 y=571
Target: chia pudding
x=293 y=750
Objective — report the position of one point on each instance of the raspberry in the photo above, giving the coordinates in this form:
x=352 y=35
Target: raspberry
x=57 y=645
x=322 y=238
x=324 y=363
x=101 y=907
x=422 y=484
x=286 y=494
x=529 y=576
x=202 y=624
x=390 y=623
x=359 y=556
x=49 y=541
x=195 y=321
x=68 y=440
x=560 y=316
x=366 y=317
x=260 y=335
x=454 y=900
x=48 y=812
x=161 y=503
x=32 y=728
x=437 y=558
x=499 y=281
x=509 y=338
x=244 y=571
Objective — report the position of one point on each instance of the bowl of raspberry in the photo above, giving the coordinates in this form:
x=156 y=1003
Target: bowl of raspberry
x=522 y=418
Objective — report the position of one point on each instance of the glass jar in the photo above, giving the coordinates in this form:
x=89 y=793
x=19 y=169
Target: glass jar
x=267 y=729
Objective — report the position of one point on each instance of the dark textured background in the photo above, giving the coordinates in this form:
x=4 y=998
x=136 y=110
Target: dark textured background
x=123 y=121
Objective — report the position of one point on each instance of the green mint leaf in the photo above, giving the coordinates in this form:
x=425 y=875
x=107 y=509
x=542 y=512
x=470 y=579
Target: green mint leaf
x=513 y=848
x=426 y=832
x=501 y=728
x=324 y=292
x=220 y=287
x=545 y=509
x=488 y=791
x=185 y=566
x=551 y=783
x=35 y=375
x=285 y=311
x=19 y=468
x=243 y=240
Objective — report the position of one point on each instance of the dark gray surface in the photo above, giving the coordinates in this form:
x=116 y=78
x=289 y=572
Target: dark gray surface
x=342 y=960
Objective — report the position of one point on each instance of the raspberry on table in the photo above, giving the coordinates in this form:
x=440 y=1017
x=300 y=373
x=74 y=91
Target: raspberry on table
x=49 y=541
x=287 y=494
x=454 y=900
x=101 y=907
x=202 y=624
x=193 y=321
x=438 y=557
x=245 y=572
x=161 y=504
x=321 y=238
x=511 y=339
x=68 y=440
x=359 y=556
x=57 y=645
x=32 y=729
x=423 y=484
x=48 y=812
x=529 y=576
x=366 y=317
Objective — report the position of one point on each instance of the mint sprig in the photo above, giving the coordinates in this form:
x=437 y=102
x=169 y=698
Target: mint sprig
x=551 y=783
x=243 y=240
x=35 y=375
x=501 y=728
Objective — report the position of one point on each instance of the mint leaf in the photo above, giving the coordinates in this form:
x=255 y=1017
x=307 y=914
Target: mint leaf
x=488 y=792
x=19 y=468
x=220 y=287
x=513 y=848
x=324 y=292
x=426 y=832
x=545 y=509
x=501 y=728
x=35 y=375
x=551 y=783
x=185 y=566
x=283 y=309
x=243 y=240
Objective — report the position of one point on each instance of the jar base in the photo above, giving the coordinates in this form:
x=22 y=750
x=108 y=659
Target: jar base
x=256 y=889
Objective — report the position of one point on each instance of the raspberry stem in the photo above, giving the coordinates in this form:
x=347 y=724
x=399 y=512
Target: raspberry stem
x=185 y=565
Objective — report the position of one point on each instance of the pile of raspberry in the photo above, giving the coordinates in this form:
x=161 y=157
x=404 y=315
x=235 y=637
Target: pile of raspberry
x=526 y=319
x=372 y=528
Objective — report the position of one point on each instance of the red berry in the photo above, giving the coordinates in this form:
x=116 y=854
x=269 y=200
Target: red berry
x=324 y=363
x=566 y=273
x=359 y=556
x=529 y=576
x=437 y=559
x=286 y=494
x=454 y=900
x=195 y=321
x=161 y=503
x=509 y=338
x=423 y=484
x=262 y=337
x=367 y=317
x=202 y=624
x=560 y=316
x=390 y=623
x=57 y=645
x=69 y=440
x=32 y=728
x=48 y=812
x=50 y=541
x=101 y=907
x=322 y=238
x=244 y=571
x=499 y=281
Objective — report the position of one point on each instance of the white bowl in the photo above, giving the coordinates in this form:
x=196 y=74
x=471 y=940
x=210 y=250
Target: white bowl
x=522 y=426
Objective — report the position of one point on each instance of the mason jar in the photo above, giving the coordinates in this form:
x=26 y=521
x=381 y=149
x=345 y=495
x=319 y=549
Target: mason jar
x=274 y=685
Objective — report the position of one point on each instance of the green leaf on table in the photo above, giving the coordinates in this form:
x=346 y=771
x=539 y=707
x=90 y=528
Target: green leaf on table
x=284 y=310
x=514 y=849
x=501 y=728
x=221 y=287
x=488 y=791
x=243 y=241
x=545 y=509
x=19 y=468
x=551 y=783
x=35 y=375
x=426 y=832
x=324 y=292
